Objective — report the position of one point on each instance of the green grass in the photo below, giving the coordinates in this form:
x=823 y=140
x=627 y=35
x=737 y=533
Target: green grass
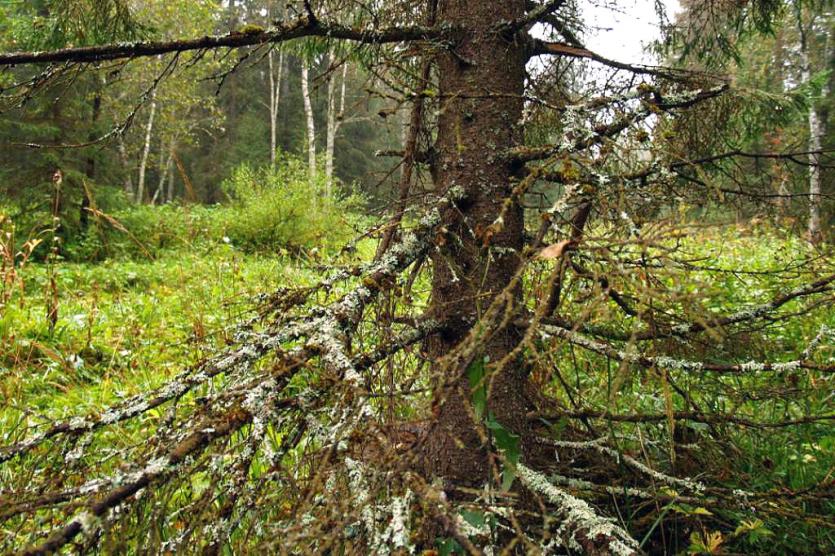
x=126 y=325
x=744 y=266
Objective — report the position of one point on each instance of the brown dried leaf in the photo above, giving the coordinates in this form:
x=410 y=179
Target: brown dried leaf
x=556 y=250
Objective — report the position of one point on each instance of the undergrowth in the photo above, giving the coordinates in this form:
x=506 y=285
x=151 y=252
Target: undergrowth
x=127 y=324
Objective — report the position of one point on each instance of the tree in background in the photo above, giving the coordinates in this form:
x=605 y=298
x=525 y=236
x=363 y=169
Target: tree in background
x=790 y=70
x=815 y=33
x=197 y=123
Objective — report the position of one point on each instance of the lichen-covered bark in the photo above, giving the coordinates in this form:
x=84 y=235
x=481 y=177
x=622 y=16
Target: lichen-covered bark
x=481 y=85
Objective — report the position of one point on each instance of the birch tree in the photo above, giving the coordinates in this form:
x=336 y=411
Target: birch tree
x=146 y=148
x=275 y=74
x=310 y=130
x=336 y=112
x=815 y=34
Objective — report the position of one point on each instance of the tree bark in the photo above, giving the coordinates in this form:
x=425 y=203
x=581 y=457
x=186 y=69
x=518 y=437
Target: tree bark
x=275 y=97
x=475 y=128
x=90 y=170
x=816 y=133
x=143 y=163
x=311 y=123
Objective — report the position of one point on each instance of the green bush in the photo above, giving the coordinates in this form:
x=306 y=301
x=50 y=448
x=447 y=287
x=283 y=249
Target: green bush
x=143 y=231
x=282 y=208
x=269 y=209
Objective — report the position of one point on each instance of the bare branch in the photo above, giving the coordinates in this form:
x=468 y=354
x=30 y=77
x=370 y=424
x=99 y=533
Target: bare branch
x=302 y=27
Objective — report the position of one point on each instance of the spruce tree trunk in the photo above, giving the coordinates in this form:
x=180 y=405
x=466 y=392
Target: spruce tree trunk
x=481 y=87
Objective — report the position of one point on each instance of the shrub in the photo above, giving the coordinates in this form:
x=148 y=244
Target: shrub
x=281 y=207
x=269 y=209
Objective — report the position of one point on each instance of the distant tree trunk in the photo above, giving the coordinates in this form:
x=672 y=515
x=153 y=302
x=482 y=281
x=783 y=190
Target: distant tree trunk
x=815 y=144
x=169 y=196
x=781 y=176
x=334 y=120
x=311 y=124
x=143 y=163
x=285 y=140
x=816 y=131
x=411 y=132
x=127 y=182
x=275 y=97
x=90 y=170
x=166 y=158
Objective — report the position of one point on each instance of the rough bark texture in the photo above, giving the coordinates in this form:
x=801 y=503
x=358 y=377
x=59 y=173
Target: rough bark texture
x=481 y=86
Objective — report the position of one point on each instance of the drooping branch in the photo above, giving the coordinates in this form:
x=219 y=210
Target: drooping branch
x=539 y=47
x=693 y=416
x=652 y=101
x=671 y=364
x=710 y=321
x=582 y=529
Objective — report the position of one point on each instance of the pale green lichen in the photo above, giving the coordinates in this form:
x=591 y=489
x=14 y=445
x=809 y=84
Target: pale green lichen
x=577 y=518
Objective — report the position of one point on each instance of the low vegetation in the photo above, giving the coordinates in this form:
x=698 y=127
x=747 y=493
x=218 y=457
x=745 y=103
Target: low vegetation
x=129 y=323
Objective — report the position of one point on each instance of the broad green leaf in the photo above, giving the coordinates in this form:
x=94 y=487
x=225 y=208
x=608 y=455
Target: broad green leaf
x=475 y=375
x=508 y=444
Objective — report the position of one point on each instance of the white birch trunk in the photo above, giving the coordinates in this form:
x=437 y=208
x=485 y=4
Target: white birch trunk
x=166 y=159
x=334 y=122
x=311 y=124
x=331 y=132
x=275 y=97
x=816 y=129
x=143 y=164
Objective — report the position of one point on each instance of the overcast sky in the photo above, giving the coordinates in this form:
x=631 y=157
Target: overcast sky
x=620 y=29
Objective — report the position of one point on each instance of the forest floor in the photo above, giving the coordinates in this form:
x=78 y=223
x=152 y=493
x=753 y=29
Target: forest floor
x=125 y=326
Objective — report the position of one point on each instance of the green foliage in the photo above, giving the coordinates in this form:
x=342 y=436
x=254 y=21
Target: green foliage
x=281 y=207
x=268 y=210
x=60 y=23
x=125 y=326
x=475 y=376
x=145 y=231
x=508 y=445
x=711 y=33
x=744 y=266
